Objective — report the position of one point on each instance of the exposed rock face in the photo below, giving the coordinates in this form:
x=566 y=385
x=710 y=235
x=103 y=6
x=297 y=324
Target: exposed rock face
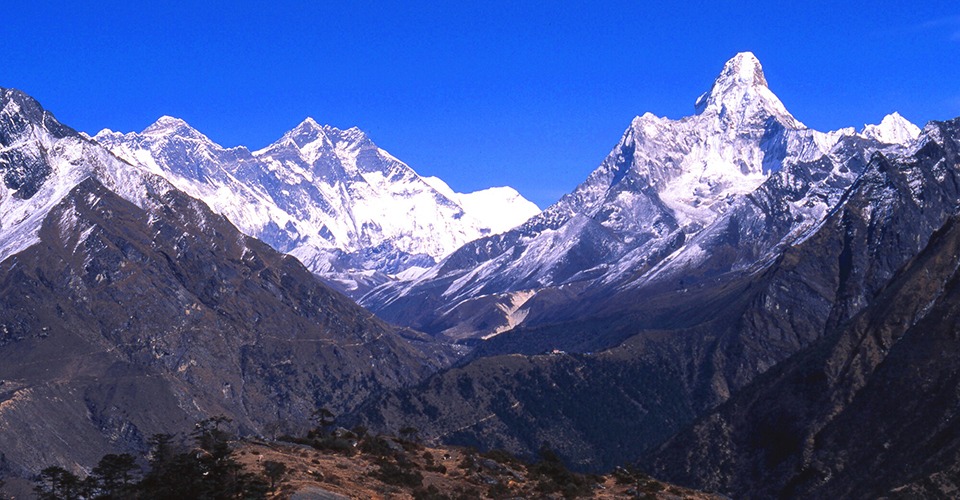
x=733 y=271
x=665 y=335
x=666 y=352
x=724 y=189
x=869 y=410
x=349 y=210
x=125 y=323
x=42 y=160
x=122 y=317
x=24 y=168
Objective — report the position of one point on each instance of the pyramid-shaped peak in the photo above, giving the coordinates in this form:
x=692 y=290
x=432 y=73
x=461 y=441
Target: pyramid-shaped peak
x=167 y=125
x=307 y=130
x=167 y=120
x=896 y=119
x=313 y=129
x=308 y=123
x=893 y=129
x=741 y=89
x=740 y=74
x=743 y=69
x=311 y=135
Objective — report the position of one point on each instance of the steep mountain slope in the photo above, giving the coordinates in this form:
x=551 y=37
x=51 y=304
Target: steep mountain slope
x=123 y=319
x=866 y=412
x=347 y=209
x=656 y=357
x=670 y=195
x=41 y=160
x=705 y=252
x=656 y=354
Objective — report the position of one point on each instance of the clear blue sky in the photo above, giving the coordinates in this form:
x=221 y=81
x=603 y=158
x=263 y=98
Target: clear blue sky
x=528 y=94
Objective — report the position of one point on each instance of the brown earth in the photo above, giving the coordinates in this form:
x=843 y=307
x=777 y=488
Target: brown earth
x=447 y=472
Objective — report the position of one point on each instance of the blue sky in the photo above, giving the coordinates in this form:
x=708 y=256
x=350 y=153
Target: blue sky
x=527 y=94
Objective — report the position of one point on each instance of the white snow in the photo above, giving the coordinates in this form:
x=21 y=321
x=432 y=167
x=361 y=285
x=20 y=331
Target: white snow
x=498 y=208
x=666 y=181
x=72 y=159
x=893 y=129
x=319 y=190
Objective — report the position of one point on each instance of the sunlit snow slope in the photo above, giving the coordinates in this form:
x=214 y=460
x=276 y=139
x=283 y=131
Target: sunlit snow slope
x=41 y=160
x=735 y=180
x=346 y=208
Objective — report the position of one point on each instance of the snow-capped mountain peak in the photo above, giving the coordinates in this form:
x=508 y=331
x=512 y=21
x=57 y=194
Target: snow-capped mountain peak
x=164 y=130
x=329 y=196
x=313 y=142
x=301 y=137
x=893 y=129
x=500 y=208
x=742 y=70
x=165 y=124
x=171 y=146
x=42 y=160
x=172 y=128
x=740 y=134
x=741 y=92
x=309 y=122
x=669 y=192
x=309 y=132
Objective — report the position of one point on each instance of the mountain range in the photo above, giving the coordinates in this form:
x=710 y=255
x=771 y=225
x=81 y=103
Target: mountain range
x=606 y=365
x=350 y=211
x=133 y=309
x=728 y=301
x=722 y=190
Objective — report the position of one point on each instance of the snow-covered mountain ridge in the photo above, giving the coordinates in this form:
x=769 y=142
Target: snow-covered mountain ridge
x=501 y=208
x=894 y=129
x=41 y=160
x=739 y=178
x=348 y=209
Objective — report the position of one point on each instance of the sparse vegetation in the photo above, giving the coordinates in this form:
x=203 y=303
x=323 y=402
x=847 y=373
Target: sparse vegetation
x=553 y=476
x=205 y=469
x=398 y=473
x=274 y=471
x=210 y=464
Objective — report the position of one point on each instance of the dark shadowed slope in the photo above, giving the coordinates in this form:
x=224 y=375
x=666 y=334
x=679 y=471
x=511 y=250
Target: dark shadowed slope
x=869 y=411
x=655 y=358
x=725 y=189
x=121 y=319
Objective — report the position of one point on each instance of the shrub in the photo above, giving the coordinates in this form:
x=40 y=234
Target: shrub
x=397 y=474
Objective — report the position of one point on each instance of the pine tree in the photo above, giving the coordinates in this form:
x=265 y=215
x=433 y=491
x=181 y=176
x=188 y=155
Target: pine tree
x=57 y=483
x=113 y=477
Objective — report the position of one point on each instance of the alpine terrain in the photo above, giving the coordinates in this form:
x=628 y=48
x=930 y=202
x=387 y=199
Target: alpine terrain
x=869 y=410
x=348 y=210
x=729 y=254
x=732 y=301
x=722 y=190
x=129 y=308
